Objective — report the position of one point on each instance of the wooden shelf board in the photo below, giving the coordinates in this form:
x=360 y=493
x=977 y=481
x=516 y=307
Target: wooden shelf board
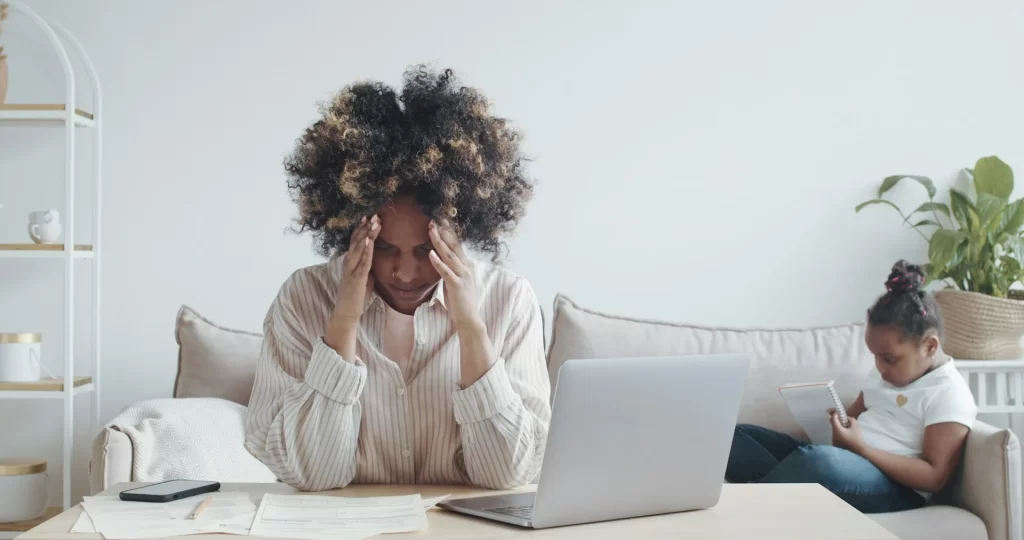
x=43 y=385
x=22 y=526
x=43 y=107
x=42 y=247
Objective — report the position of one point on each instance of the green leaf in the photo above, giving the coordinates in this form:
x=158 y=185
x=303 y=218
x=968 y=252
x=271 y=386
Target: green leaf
x=876 y=201
x=927 y=222
x=1012 y=218
x=990 y=209
x=943 y=246
x=963 y=210
x=1011 y=266
x=931 y=207
x=891 y=181
x=994 y=177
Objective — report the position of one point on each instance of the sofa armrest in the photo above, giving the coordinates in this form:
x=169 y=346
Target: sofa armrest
x=988 y=482
x=111 y=459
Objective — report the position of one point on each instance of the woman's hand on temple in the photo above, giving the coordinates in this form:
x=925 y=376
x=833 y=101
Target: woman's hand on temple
x=456 y=270
x=356 y=283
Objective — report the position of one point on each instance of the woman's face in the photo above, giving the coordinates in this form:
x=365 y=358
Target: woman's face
x=401 y=267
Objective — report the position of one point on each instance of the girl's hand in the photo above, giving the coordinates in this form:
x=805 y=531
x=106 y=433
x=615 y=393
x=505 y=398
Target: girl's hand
x=456 y=270
x=849 y=437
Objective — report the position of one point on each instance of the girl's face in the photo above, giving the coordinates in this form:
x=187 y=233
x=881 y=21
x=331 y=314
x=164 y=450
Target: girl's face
x=900 y=359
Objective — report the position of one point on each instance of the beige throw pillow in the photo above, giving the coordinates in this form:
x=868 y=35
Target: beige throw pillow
x=214 y=361
x=778 y=356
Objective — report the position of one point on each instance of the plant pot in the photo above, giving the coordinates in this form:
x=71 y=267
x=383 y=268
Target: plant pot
x=3 y=79
x=980 y=327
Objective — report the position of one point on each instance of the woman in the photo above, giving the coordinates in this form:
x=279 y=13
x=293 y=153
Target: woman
x=400 y=359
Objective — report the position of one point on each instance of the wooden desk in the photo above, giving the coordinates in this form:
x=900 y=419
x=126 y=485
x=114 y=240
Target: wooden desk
x=768 y=512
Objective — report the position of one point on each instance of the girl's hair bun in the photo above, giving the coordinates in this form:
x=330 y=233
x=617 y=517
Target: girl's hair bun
x=904 y=278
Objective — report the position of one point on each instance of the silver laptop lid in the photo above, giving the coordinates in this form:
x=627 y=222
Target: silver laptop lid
x=638 y=436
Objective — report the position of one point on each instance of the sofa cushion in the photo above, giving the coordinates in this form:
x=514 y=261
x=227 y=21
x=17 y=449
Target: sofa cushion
x=933 y=523
x=778 y=356
x=214 y=361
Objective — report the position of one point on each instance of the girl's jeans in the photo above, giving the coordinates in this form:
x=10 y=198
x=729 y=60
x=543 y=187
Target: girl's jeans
x=760 y=455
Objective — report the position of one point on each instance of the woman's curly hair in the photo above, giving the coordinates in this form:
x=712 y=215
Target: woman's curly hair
x=436 y=140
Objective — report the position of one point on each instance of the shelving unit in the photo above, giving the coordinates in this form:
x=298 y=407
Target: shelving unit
x=43 y=113
x=69 y=117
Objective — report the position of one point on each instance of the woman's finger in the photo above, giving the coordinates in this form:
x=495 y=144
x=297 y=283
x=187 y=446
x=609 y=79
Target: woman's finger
x=446 y=273
x=358 y=241
x=448 y=235
x=447 y=254
x=367 y=259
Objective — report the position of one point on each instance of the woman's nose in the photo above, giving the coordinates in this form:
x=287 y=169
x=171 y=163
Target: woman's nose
x=407 y=269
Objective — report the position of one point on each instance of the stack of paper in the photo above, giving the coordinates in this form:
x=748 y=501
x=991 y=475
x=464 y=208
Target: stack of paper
x=316 y=517
x=228 y=512
x=300 y=516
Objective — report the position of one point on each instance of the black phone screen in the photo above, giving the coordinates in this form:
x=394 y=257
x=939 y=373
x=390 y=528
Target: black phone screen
x=169 y=487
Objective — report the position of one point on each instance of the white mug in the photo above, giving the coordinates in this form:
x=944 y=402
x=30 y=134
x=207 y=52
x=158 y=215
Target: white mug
x=44 y=233
x=19 y=357
x=44 y=217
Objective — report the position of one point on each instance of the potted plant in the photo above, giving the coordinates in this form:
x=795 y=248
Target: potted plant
x=976 y=247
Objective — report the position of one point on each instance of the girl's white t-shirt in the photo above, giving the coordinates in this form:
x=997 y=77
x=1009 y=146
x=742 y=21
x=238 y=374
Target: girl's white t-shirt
x=896 y=418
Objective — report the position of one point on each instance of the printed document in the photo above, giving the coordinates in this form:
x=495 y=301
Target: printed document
x=318 y=517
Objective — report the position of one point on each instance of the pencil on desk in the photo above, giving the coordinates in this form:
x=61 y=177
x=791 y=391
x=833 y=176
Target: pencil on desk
x=202 y=505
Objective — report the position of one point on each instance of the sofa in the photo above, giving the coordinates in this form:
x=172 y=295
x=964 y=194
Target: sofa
x=217 y=364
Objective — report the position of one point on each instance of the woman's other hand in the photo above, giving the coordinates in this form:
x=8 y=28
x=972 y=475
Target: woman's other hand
x=456 y=270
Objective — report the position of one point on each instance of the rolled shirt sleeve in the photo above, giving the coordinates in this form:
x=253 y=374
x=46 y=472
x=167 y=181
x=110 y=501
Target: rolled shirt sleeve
x=504 y=415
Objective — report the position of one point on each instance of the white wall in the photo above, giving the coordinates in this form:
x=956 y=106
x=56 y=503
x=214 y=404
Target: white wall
x=699 y=161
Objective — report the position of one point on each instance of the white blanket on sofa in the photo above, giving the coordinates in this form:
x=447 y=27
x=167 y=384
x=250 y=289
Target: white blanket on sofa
x=193 y=438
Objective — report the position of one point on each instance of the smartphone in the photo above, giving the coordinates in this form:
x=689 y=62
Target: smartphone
x=169 y=491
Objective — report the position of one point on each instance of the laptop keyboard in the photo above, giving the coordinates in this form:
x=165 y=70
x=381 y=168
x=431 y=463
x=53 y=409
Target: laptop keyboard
x=524 y=511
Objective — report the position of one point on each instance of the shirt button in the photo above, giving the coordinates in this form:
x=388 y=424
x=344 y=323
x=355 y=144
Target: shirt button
x=421 y=340
x=401 y=391
x=406 y=453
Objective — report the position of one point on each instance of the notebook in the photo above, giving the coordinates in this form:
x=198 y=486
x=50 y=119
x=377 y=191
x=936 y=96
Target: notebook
x=809 y=403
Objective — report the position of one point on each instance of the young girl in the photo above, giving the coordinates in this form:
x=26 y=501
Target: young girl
x=907 y=427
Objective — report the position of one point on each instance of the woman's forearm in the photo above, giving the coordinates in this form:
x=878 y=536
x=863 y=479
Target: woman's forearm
x=476 y=350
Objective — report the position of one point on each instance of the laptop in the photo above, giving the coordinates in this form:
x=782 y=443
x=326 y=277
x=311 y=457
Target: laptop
x=629 y=437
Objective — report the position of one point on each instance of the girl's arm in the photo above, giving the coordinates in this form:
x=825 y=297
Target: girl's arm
x=943 y=448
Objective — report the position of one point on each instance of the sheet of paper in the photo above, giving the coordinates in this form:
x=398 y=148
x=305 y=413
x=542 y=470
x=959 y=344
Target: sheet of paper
x=83 y=524
x=432 y=502
x=229 y=513
x=322 y=517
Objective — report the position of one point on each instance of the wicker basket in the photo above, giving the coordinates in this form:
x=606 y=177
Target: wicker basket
x=981 y=327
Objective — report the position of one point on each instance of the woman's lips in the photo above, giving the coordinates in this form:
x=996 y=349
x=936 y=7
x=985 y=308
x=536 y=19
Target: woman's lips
x=408 y=293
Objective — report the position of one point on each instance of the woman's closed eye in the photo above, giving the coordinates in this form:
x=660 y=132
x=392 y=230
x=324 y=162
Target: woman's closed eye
x=383 y=247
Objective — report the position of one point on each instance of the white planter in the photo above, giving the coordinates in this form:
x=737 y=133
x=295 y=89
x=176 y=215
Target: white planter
x=19 y=357
x=22 y=489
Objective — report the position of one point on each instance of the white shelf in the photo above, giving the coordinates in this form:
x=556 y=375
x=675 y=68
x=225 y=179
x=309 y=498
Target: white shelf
x=42 y=114
x=64 y=118
x=44 y=394
x=43 y=251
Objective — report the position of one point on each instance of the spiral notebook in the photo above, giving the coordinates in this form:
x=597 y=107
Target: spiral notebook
x=809 y=403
